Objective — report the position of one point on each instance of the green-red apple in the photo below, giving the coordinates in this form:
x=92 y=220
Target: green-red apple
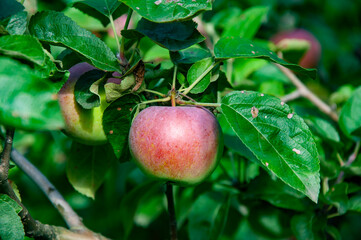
x=177 y=144
x=83 y=125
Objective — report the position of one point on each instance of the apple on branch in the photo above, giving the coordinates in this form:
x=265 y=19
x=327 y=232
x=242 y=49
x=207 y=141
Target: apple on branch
x=176 y=144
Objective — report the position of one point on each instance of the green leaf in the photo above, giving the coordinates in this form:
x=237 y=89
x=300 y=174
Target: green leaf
x=237 y=47
x=17 y=24
x=168 y=11
x=277 y=137
x=11 y=202
x=173 y=36
x=323 y=128
x=354 y=203
x=55 y=28
x=196 y=71
x=23 y=47
x=248 y=23
x=11 y=227
x=87 y=167
x=27 y=101
x=350 y=116
x=101 y=10
x=221 y=219
x=303 y=226
x=117 y=119
x=9 y=7
x=337 y=196
x=202 y=216
x=129 y=203
x=83 y=93
x=190 y=55
x=276 y=193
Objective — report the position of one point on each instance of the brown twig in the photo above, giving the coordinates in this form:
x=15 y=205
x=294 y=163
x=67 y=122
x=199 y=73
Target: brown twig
x=306 y=93
x=68 y=214
x=171 y=211
x=5 y=155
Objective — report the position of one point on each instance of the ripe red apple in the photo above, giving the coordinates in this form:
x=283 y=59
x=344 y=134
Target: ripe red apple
x=83 y=125
x=312 y=56
x=177 y=144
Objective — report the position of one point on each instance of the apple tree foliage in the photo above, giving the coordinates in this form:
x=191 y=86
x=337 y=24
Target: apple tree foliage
x=288 y=170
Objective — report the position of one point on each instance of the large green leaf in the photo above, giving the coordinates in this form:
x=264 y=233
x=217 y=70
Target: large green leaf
x=9 y=7
x=278 y=138
x=11 y=227
x=350 y=117
x=173 y=36
x=100 y=9
x=27 y=101
x=55 y=28
x=238 y=47
x=87 y=167
x=116 y=123
x=168 y=11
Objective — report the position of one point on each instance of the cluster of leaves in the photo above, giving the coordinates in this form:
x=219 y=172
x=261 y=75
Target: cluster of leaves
x=268 y=183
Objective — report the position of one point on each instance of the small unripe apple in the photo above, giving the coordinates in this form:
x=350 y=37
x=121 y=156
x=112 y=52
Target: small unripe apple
x=83 y=125
x=177 y=144
x=312 y=56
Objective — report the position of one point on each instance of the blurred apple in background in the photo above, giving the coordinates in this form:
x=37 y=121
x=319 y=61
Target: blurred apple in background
x=301 y=41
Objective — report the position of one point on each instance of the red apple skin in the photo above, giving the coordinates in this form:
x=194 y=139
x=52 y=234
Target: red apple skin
x=83 y=125
x=178 y=144
x=312 y=56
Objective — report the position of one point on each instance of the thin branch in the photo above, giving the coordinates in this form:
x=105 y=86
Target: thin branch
x=5 y=155
x=171 y=211
x=69 y=215
x=306 y=93
x=291 y=96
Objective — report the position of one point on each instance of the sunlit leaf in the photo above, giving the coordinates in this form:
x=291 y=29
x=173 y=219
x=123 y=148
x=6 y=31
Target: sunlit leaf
x=278 y=137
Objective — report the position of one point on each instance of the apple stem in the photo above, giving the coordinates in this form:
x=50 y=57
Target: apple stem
x=171 y=212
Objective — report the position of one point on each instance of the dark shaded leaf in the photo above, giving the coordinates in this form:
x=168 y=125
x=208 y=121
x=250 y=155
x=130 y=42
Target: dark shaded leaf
x=190 y=55
x=101 y=10
x=87 y=97
x=173 y=36
x=117 y=119
x=9 y=7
